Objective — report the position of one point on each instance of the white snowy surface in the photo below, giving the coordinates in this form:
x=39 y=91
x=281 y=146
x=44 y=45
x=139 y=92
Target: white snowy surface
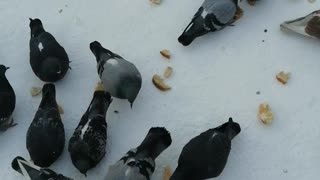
x=214 y=78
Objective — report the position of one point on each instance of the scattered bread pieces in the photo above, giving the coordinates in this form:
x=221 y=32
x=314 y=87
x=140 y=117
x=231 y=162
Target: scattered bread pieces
x=159 y=83
x=265 y=114
x=283 y=77
x=167 y=173
x=157 y=2
x=99 y=87
x=168 y=72
x=35 y=91
x=166 y=53
x=61 y=111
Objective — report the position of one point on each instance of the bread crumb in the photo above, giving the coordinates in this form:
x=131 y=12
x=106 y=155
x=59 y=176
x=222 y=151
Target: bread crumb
x=166 y=53
x=155 y=1
x=265 y=114
x=283 y=77
x=99 y=87
x=61 y=111
x=35 y=91
x=159 y=83
x=168 y=72
x=167 y=173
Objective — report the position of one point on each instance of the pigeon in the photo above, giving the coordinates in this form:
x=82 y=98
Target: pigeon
x=45 y=136
x=120 y=77
x=139 y=163
x=206 y=155
x=7 y=101
x=48 y=59
x=307 y=26
x=87 y=146
x=212 y=16
x=33 y=172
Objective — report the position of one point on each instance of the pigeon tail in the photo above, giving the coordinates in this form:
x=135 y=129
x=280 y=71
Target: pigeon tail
x=25 y=168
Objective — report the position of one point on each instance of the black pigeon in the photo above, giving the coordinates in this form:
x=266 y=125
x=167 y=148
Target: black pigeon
x=7 y=101
x=139 y=163
x=45 y=136
x=213 y=15
x=33 y=172
x=49 y=60
x=87 y=146
x=206 y=155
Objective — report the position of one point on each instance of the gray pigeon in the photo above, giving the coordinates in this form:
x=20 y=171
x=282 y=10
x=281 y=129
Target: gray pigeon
x=213 y=15
x=33 y=172
x=120 y=77
x=206 y=155
x=139 y=163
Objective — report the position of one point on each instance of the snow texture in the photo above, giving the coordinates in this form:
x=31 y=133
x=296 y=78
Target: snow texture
x=216 y=77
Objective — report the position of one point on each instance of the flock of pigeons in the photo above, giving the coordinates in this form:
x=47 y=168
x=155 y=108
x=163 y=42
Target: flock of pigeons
x=203 y=157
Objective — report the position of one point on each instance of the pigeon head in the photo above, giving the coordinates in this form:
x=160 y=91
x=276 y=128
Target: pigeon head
x=157 y=140
x=195 y=29
x=3 y=69
x=35 y=26
x=230 y=128
x=96 y=48
x=132 y=92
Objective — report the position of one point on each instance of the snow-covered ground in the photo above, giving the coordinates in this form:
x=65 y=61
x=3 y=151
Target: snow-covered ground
x=214 y=78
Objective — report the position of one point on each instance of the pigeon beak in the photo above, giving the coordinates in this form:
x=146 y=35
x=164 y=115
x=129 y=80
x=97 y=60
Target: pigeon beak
x=30 y=19
x=7 y=68
x=230 y=120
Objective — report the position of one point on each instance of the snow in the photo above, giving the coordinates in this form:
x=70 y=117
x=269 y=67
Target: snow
x=216 y=77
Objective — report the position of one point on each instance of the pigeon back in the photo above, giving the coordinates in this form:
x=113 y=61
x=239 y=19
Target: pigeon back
x=48 y=59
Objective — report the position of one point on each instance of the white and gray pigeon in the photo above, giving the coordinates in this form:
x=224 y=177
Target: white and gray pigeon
x=213 y=15
x=139 y=163
x=206 y=155
x=33 y=172
x=7 y=101
x=87 y=146
x=120 y=77
x=48 y=59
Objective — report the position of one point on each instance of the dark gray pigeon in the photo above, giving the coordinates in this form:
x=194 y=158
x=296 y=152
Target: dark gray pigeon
x=212 y=16
x=139 y=163
x=7 y=101
x=33 y=172
x=206 y=155
x=49 y=60
x=87 y=146
x=45 y=136
x=120 y=77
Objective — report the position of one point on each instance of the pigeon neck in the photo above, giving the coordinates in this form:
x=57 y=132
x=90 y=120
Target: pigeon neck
x=36 y=31
x=4 y=83
x=100 y=103
x=48 y=100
